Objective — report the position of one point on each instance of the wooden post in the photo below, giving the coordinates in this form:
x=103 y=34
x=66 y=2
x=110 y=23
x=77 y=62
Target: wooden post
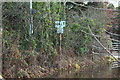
x=60 y=48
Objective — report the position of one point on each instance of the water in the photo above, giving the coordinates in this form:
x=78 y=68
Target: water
x=89 y=72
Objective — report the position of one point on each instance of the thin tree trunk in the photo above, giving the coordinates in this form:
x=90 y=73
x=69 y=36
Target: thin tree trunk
x=0 y=37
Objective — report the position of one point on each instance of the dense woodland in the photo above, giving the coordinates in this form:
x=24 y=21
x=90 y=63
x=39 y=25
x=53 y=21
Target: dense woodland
x=37 y=55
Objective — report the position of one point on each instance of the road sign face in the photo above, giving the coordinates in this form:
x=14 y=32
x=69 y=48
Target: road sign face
x=60 y=25
x=60 y=30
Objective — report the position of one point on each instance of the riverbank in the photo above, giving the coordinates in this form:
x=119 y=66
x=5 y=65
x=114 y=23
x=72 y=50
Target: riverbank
x=48 y=66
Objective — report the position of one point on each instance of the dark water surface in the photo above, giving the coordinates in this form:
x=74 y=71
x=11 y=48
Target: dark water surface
x=89 y=72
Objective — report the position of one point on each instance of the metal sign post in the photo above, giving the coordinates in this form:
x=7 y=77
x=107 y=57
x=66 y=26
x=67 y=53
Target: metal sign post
x=31 y=20
x=60 y=25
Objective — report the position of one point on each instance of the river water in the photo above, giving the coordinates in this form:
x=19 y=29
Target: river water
x=100 y=71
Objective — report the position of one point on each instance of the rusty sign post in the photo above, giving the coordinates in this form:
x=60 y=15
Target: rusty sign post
x=60 y=25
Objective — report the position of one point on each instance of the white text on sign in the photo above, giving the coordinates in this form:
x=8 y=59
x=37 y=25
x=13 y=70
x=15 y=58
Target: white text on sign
x=60 y=25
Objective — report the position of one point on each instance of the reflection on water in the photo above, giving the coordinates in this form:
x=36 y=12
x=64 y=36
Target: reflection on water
x=91 y=72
